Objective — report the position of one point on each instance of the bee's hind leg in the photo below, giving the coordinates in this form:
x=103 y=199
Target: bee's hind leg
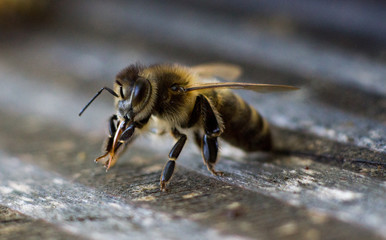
x=209 y=149
x=198 y=139
x=168 y=169
x=209 y=144
x=209 y=153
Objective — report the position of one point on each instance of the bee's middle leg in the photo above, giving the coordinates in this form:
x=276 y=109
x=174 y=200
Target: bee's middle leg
x=168 y=169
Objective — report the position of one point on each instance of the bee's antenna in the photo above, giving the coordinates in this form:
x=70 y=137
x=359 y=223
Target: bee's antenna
x=96 y=95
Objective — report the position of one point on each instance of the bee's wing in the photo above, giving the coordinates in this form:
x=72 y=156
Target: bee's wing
x=262 y=88
x=225 y=71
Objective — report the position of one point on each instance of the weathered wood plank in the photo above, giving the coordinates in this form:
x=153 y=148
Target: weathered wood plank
x=14 y=225
x=324 y=190
x=134 y=188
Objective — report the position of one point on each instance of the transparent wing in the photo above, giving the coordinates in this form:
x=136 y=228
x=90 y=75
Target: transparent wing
x=261 y=88
x=225 y=71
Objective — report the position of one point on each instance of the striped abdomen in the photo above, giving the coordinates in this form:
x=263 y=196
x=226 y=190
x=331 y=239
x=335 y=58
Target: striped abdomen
x=244 y=127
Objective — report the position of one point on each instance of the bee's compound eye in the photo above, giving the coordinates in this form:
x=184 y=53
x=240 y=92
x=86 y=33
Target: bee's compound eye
x=141 y=91
x=174 y=88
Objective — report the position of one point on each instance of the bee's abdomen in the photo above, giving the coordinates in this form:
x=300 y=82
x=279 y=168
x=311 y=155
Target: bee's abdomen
x=244 y=127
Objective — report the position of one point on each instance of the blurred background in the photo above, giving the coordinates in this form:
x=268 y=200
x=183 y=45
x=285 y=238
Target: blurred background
x=334 y=51
x=55 y=55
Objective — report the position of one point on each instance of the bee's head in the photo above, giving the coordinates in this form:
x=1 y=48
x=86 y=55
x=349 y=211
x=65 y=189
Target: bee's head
x=134 y=95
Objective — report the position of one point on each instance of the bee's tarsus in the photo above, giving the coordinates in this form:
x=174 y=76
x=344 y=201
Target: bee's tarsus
x=167 y=173
x=209 y=150
x=209 y=144
x=168 y=169
x=163 y=186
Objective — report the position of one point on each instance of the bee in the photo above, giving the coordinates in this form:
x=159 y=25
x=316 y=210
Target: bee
x=185 y=99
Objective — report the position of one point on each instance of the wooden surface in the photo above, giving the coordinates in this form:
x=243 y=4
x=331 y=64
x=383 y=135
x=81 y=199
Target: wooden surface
x=326 y=181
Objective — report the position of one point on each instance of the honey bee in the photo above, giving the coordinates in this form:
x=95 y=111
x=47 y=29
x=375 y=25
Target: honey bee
x=182 y=99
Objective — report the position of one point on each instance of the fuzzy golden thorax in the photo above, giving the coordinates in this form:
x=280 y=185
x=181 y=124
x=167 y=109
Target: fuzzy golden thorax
x=171 y=104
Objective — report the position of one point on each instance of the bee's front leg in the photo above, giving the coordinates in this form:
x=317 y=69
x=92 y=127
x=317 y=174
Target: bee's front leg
x=168 y=169
x=124 y=139
x=110 y=139
x=116 y=140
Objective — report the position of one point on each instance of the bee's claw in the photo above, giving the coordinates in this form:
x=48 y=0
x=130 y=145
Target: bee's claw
x=216 y=173
x=163 y=186
x=110 y=162
x=101 y=157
